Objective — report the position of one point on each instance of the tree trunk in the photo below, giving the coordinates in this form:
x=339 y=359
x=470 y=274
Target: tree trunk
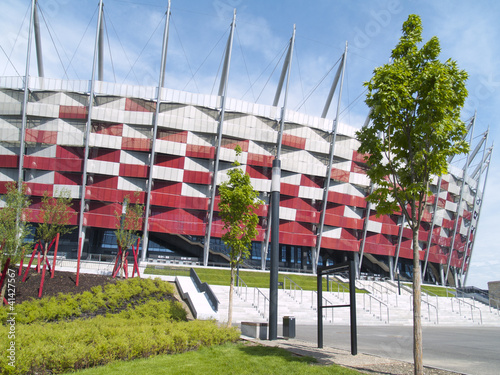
x=231 y=292
x=417 y=320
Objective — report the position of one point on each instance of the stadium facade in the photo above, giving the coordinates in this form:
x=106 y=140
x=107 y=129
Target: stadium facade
x=104 y=141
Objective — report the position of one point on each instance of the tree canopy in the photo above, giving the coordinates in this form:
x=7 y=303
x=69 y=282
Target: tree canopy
x=13 y=224
x=415 y=101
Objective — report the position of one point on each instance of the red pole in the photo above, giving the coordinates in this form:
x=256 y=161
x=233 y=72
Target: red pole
x=29 y=264
x=55 y=255
x=20 y=270
x=78 y=263
x=116 y=268
x=136 y=264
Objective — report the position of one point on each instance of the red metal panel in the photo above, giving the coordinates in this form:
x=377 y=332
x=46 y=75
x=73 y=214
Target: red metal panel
x=262 y=173
x=172 y=135
x=136 y=144
x=339 y=244
x=193 y=177
x=39 y=189
x=307 y=216
x=312 y=181
x=41 y=136
x=73 y=112
x=107 y=128
x=9 y=161
x=67 y=152
x=293 y=141
x=380 y=249
x=260 y=160
x=101 y=181
x=139 y=105
x=357 y=157
x=62 y=178
x=202 y=152
x=340 y=175
x=346 y=199
x=105 y=154
x=232 y=143
x=289 y=189
x=343 y=222
x=297 y=203
x=167 y=187
x=134 y=170
x=170 y=161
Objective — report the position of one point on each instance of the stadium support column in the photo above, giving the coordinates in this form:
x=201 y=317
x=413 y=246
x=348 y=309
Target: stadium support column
x=81 y=232
x=161 y=79
x=286 y=68
x=363 y=236
x=398 y=246
x=38 y=43
x=222 y=95
x=24 y=118
x=326 y=188
x=457 y=217
x=486 y=165
x=482 y=144
x=433 y=223
x=275 y=204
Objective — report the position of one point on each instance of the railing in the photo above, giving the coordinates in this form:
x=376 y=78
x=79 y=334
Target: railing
x=240 y=284
x=496 y=303
x=376 y=300
x=258 y=296
x=472 y=307
x=429 y=305
x=295 y=286
x=204 y=287
x=381 y=288
x=339 y=286
x=325 y=302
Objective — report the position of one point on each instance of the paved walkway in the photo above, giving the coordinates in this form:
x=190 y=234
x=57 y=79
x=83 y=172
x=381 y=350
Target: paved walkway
x=365 y=363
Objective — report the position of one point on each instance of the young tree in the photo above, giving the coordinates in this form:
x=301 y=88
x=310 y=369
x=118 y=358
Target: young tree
x=415 y=103
x=56 y=215
x=127 y=227
x=238 y=202
x=13 y=228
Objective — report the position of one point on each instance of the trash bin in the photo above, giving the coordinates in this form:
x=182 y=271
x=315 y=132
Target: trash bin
x=289 y=327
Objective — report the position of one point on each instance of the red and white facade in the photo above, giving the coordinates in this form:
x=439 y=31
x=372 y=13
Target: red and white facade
x=118 y=164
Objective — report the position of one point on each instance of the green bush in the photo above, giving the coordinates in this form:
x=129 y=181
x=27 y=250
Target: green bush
x=113 y=298
x=157 y=327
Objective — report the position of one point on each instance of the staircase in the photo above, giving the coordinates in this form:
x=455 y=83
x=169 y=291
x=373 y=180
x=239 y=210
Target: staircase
x=379 y=306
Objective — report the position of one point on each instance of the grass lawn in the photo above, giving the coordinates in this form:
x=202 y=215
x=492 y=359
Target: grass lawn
x=440 y=291
x=252 y=279
x=225 y=359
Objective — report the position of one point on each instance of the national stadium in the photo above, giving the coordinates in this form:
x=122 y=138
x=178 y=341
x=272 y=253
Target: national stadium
x=105 y=141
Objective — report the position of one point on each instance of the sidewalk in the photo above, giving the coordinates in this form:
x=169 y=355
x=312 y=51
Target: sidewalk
x=365 y=363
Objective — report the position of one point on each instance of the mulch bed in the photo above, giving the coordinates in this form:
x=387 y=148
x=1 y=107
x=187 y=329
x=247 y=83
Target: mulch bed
x=63 y=282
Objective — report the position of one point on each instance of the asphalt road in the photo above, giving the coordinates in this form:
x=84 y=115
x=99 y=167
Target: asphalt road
x=469 y=350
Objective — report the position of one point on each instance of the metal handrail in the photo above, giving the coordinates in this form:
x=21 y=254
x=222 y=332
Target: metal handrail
x=339 y=285
x=429 y=305
x=257 y=304
x=380 y=305
x=239 y=287
x=325 y=302
x=295 y=286
x=472 y=307
x=497 y=303
x=386 y=289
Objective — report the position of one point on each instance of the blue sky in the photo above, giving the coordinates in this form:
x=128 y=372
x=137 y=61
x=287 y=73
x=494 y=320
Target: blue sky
x=468 y=32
